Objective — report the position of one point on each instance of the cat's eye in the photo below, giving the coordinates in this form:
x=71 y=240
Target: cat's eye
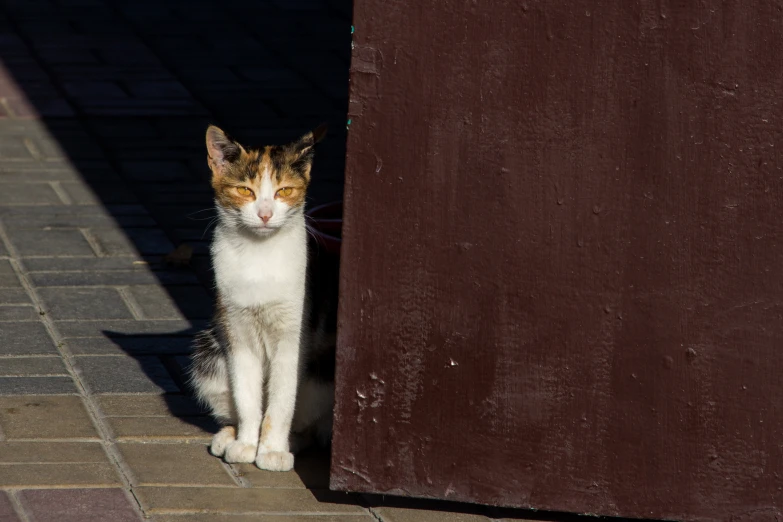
x=244 y=191
x=284 y=192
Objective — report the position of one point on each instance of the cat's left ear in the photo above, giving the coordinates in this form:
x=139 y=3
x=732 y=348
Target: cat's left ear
x=303 y=150
x=305 y=144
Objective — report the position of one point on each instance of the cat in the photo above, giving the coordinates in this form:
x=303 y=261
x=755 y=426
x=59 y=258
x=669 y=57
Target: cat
x=267 y=362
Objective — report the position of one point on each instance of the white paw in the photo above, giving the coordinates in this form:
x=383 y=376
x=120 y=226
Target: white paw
x=239 y=452
x=275 y=460
x=221 y=440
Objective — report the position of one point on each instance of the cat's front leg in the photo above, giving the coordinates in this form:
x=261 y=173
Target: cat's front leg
x=246 y=376
x=274 y=453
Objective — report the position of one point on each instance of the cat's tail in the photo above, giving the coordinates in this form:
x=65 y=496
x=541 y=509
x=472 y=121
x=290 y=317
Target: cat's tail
x=208 y=376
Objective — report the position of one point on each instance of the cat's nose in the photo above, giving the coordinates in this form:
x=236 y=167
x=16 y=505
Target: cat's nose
x=265 y=216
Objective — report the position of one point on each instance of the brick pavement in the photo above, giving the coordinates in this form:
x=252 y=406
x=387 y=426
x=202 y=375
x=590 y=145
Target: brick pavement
x=103 y=107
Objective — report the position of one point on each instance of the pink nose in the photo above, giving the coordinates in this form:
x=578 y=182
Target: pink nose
x=265 y=217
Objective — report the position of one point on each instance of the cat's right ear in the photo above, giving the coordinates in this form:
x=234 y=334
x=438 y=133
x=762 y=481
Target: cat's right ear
x=221 y=150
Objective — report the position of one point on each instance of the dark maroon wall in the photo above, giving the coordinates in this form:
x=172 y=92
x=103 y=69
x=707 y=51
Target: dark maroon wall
x=563 y=256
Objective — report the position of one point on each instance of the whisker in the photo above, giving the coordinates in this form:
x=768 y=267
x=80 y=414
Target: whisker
x=202 y=210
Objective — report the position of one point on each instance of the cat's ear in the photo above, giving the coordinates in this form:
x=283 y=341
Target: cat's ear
x=305 y=144
x=222 y=150
x=302 y=151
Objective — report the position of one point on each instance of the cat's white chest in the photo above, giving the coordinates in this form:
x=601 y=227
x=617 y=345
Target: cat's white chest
x=252 y=274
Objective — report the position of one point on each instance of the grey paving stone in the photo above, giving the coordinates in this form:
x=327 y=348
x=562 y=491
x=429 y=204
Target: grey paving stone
x=13 y=296
x=8 y=278
x=133 y=241
x=78 y=505
x=123 y=374
x=37 y=386
x=18 y=313
x=115 y=277
x=25 y=339
x=88 y=264
x=173 y=302
x=131 y=345
x=98 y=193
x=7 y=512
x=13 y=147
x=29 y=366
x=28 y=194
x=84 y=303
x=98 y=328
x=31 y=172
x=30 y=242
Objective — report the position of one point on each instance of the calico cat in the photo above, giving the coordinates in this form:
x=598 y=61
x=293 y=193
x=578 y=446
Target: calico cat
x=269 y=353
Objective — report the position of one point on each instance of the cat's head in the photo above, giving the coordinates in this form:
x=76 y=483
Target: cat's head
x=260 y=190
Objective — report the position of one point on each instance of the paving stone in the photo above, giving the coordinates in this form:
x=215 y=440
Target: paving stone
x=28 y=194
x=112 y=278
x=174 y=302
x=79 y=505
x=45 y=417
x=393 y=514
x=133 y=241
x=98 y=194
x=213 y=517
x=37 y=385
x=18 y=313
x=30 y=172
x=25 y=339
x=13 y=296
x=49 y=242
x=151 y=465
x=86 y=264
x=60 y=219
x=27 y=366
x=149 y=406
x=97 y=328
x=190 y=429
x=14 y=148
x=129 y=345
x=311 y=470
x=30 y=452
x=165 y=500
x=7 y=511
x=84 y=303
x=8 y=278
x=122 y=374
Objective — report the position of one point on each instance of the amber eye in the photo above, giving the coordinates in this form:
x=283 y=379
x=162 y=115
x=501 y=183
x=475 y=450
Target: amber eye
x=244 y=191
x=284 y=192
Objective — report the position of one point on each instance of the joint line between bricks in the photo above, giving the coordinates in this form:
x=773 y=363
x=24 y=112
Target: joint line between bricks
x=58 y=189
x=90 y=405
x=131 y=303
x=16 y=503
x=93 y=242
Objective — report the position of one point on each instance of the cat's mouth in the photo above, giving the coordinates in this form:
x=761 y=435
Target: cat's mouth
x=264 y=229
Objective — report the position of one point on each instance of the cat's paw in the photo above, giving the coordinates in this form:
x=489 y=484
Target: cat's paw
x=237 y=452
x=221 y=440
x=275 y=460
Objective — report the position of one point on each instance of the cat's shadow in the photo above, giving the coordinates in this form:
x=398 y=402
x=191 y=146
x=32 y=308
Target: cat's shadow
x=162 y=361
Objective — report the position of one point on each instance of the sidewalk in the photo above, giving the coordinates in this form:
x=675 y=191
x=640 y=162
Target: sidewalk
x=103 y=108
